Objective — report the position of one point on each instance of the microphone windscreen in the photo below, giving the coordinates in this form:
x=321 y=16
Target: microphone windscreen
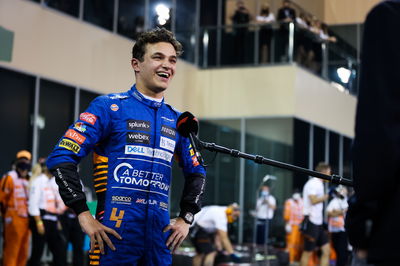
x=186 y=124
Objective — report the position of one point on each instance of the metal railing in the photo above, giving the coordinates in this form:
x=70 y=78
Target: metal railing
x=266 y=44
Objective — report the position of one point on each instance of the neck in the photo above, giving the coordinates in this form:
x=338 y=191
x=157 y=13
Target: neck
x=149 y=93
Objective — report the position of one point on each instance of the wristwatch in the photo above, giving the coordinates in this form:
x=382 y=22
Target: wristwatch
x=187 y=217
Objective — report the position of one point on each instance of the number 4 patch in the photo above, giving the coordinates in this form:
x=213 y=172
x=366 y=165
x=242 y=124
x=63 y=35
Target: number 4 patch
x=116 y=218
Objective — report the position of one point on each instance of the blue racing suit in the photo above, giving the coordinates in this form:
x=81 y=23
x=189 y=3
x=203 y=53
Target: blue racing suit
x=133 y=140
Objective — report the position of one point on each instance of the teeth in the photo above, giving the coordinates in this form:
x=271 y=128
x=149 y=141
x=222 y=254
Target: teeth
x=162 y=74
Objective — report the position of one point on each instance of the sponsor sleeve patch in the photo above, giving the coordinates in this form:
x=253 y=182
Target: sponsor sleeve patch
x=69 y=145
x=88 y=117
x=195 y=162
x=72 y=134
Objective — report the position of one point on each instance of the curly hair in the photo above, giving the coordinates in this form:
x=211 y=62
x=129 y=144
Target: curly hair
x=154 y=36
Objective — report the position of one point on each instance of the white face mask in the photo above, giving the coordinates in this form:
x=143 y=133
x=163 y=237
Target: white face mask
x=296 y=196
x=264 y=193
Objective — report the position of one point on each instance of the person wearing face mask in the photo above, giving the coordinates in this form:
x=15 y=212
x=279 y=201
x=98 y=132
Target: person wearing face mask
x=45 y=206
x=14 y=202
x=293 y=216
x=337 y=209
x=266 y=205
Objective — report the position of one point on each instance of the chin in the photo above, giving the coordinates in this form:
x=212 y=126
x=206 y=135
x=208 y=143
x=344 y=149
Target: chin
x=159 y=89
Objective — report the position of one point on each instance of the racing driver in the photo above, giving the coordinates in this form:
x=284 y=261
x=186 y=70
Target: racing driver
x=133 y=137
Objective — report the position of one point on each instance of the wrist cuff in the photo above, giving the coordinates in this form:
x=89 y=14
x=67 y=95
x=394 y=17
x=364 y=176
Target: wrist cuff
x=79 y=206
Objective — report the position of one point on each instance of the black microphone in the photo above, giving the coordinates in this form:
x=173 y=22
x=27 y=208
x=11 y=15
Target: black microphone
x=188 y=126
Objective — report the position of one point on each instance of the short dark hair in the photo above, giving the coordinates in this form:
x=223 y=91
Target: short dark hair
x=322 y=166
x=154 y=36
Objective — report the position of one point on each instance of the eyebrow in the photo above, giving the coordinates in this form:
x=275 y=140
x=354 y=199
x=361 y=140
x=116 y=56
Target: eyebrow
x=158 y=53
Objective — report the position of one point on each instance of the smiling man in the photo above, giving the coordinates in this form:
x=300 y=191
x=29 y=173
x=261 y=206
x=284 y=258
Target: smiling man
x=134 y=139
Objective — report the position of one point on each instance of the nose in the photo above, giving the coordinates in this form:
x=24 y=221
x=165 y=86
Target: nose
x=166 y=64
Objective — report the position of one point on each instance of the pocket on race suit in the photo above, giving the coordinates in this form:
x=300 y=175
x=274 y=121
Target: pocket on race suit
x=160 y=238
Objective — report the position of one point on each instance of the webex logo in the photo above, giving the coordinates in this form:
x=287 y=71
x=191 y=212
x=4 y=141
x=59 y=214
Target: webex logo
x=138 y=138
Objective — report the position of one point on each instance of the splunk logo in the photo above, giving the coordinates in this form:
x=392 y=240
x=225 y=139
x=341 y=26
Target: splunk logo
x=138 y=125
x=124 y=173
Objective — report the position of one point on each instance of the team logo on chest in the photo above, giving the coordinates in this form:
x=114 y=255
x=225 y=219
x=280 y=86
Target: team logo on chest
x=137 y=137
x=168 y=131
x=138 y=125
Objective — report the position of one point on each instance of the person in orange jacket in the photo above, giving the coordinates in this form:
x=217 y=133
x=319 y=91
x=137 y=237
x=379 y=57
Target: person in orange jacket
x=293 y=216
x=14 y=208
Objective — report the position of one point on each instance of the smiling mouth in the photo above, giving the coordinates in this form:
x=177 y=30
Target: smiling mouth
x=163 y=75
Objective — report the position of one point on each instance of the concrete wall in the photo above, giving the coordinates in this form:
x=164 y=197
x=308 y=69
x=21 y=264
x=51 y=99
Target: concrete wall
x=51 y=44
x=347 y=12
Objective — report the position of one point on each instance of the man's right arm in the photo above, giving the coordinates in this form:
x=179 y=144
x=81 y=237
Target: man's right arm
x=226 y=243
x=78 y=141
x=314 y=199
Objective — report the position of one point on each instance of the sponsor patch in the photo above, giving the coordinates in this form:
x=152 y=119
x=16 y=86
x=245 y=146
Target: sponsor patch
x=163 y=205
x=145 y=201
x=121 y=200
x=114 y=107
x=167 y=143
x=136 y=137
x=88 y=117
x=195 y=162
x=72 y=134
x=138 y=125
x=69 y=145
x=148 y=152
x=168 y=119
x=127 y=175
x=191 y=152
x=81 y=127
x=168 y=131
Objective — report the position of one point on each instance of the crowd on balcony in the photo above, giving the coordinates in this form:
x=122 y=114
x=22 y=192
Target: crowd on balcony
x=309 y=34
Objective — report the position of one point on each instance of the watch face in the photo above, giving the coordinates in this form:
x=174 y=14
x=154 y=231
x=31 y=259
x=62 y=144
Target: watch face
x=189 y=217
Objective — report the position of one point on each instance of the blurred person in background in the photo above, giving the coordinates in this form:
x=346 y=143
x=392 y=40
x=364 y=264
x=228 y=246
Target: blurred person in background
x=265 y=207
x=209 y=233
x=286 y=13
x=293 y=216
x=265 y=19
x=372 y=220
x=14 y=209
x=45 y=206
x=240 y=20
x=315 y=236
x=73 y=233
x=336 y=210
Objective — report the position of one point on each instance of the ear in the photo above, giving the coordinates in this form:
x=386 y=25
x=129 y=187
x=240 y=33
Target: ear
x=135 y=64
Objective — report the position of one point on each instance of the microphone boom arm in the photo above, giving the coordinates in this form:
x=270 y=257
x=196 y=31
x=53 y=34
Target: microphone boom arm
x=336 y=179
